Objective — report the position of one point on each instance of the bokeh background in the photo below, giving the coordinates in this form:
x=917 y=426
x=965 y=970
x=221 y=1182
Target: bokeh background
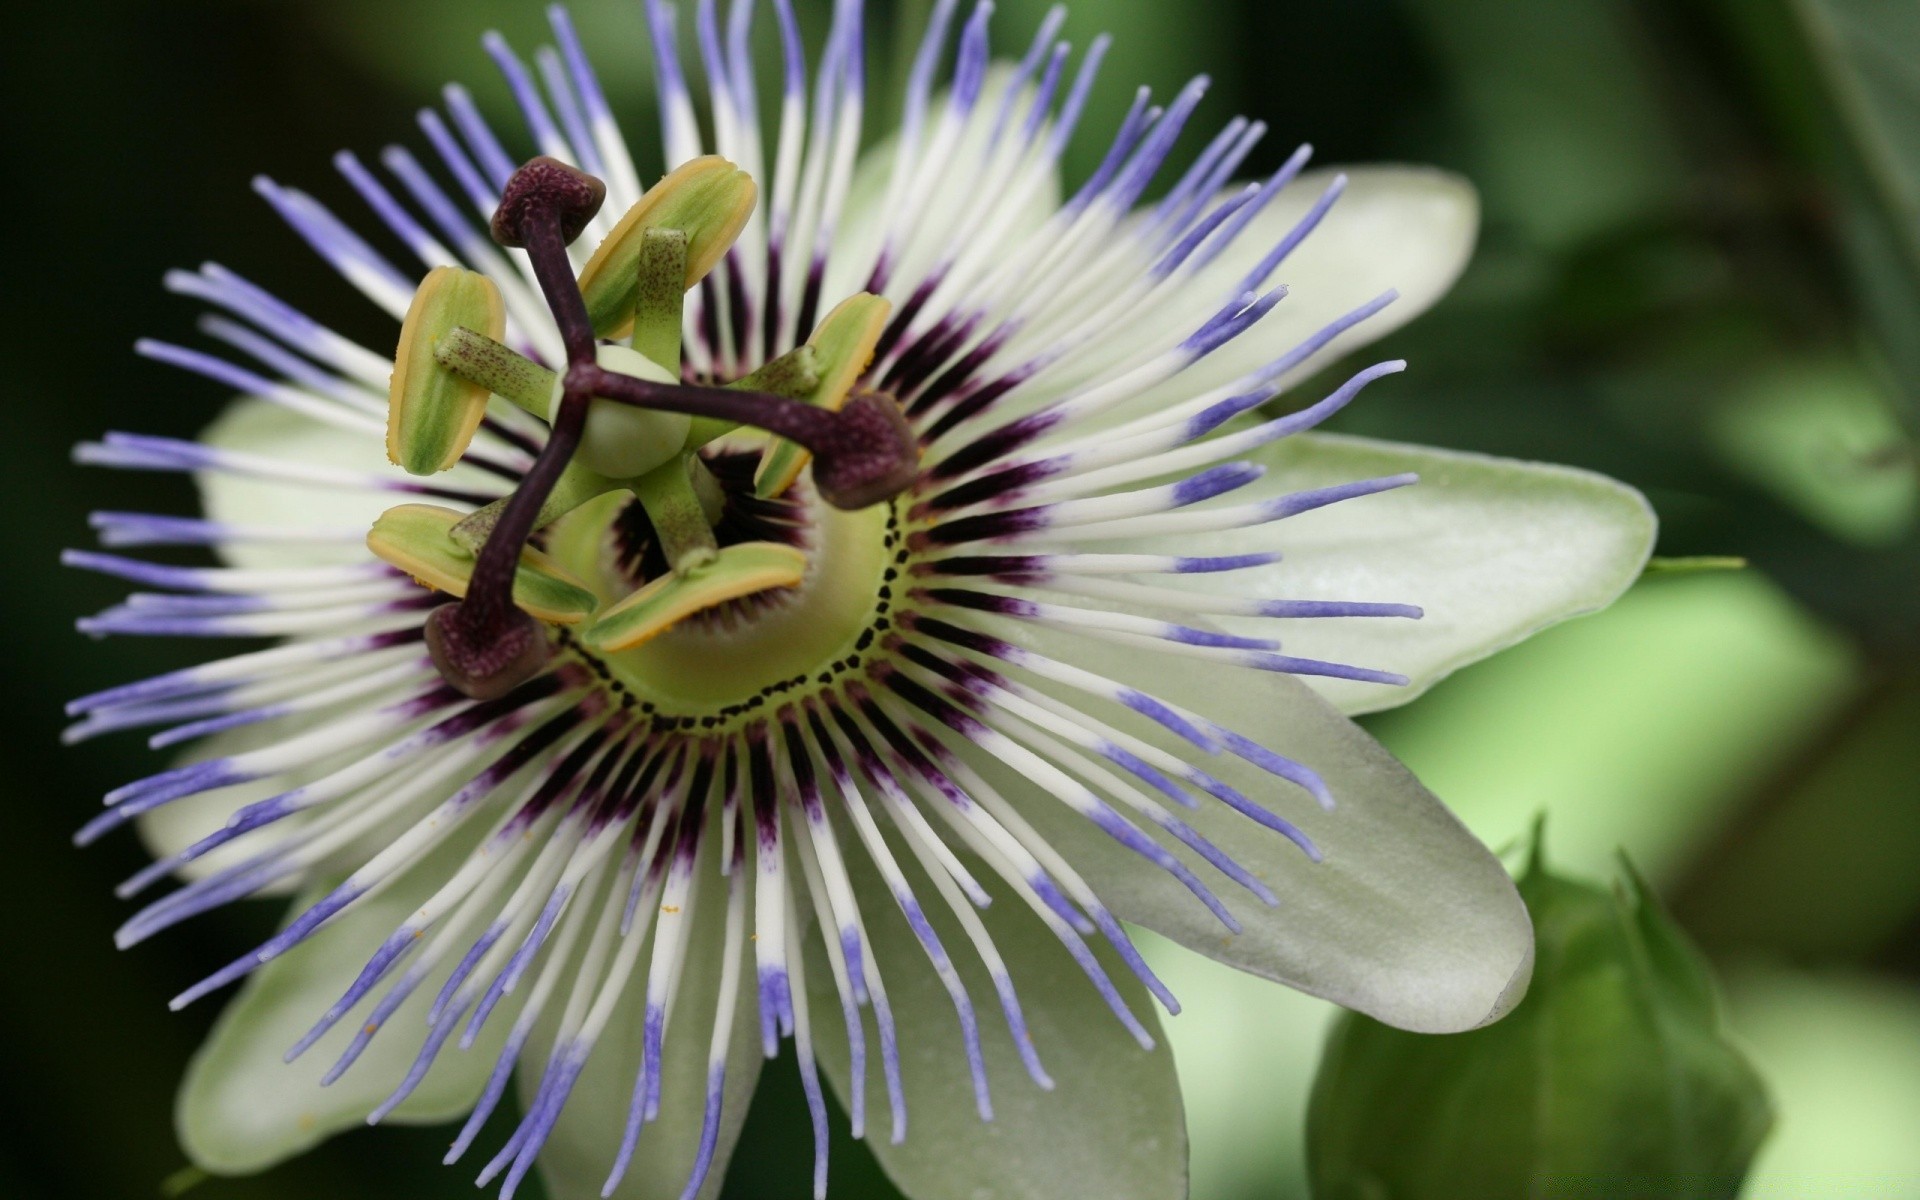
x=1699 y=272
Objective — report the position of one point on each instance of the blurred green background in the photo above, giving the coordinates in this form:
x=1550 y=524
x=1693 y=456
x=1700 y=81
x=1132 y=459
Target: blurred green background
x=1699 y=272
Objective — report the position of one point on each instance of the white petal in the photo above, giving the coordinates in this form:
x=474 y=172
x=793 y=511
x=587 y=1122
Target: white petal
x=1494 y=550
x=1406 y=228
x=258 y=427
x=242 y=1108
x=1111 y=1126
x=1409 y=919
x=575 y=1162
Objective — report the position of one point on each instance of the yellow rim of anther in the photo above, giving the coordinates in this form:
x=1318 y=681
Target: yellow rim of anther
x=843 y=345
x=418 y=539
x=736 y=571
x=709 y=198
x=432 y=413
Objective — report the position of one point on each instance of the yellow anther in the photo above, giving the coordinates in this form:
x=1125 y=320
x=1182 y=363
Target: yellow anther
x=431 y=412
x=418 y=539
x=708 y=198
x=735 y=571
x=843 y=346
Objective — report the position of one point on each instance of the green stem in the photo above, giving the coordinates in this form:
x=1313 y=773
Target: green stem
x=794 y=375
x=503 y=371
x=679 y=519
x=661 y=297
x=576 y=486
x=713 y=497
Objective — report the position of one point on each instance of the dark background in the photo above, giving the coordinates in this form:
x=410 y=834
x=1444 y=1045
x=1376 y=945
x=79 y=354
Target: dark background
x=1699 y=272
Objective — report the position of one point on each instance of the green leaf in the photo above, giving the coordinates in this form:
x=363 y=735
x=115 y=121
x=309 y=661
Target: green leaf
x=1111 y=1126
x=1851 y=797
x=1606 y=160
x=1614 y=1077
x=1841 y=1052
x=1494 y=550
x=1408 y=917
x=1644 y=726
x=1844 y=88
x=1820 y=435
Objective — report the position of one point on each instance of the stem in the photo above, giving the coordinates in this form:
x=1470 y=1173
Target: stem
x=477 y=358
x=551 y=266
x=490 y=591
x=713 y=497
x=817 y=429
x=679 y=519
x=577 y=485
x=862 y=454
x=661 y=296
x=489 y=603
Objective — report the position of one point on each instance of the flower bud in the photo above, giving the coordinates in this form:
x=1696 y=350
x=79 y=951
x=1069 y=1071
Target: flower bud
x=1614 y=1077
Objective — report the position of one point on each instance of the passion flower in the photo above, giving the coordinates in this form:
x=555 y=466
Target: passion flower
x=818 y=599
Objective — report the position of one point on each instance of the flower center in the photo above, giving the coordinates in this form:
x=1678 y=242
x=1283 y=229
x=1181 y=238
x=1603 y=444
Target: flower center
x=728 y=663
x=623 y=424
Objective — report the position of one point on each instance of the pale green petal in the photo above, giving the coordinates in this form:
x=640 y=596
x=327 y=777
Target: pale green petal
x=1494 y=550
x=258 y=427
x=243 y=1109
x=172 y=827
x=579 y=1156
x=1409 y=919
x=1111 y=1126
x=1410 y=229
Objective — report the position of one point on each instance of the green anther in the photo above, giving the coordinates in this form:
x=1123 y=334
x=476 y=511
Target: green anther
x=738 y=570
x=505 y=372
x=708 y=198
x=661 y=298
x=843 y=345
x=578 y=484
x=622 y=441
x=794 y=375
x=418 y=539
x=679 y=519
x=432 y=413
